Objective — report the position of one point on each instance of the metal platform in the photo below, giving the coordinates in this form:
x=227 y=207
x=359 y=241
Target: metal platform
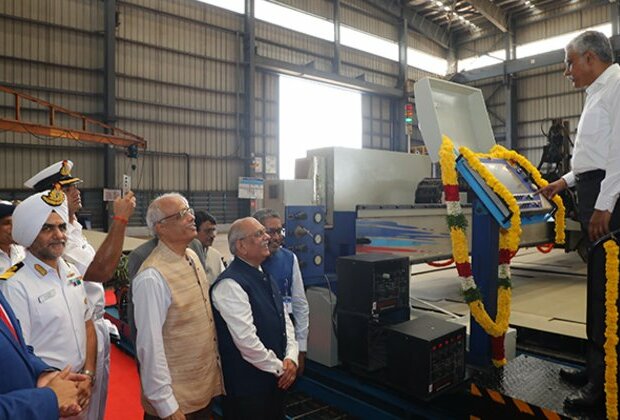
x=528 y=387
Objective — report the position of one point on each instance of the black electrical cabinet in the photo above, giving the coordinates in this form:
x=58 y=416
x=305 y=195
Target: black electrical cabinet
x=373 y=292
x=425 y=355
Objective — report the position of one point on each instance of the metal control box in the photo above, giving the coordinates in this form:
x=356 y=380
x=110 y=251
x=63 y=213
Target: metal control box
x=425 y=356
x=373 y=292
x=371 y=284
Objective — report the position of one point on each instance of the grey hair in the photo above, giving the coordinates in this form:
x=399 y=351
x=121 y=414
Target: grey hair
x=154 y=213
x=263 y=214
x=235 y=233
x=594 y=41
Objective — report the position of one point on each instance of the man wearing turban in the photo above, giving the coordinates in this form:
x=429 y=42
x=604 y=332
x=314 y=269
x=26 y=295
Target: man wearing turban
x=95 y=267
x=47 y=293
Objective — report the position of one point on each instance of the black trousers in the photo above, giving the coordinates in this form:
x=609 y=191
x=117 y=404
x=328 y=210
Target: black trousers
x=587 y=193
x=266 y=406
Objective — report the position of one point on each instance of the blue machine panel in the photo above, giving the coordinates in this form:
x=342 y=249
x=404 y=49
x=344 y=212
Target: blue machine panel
x=535 y=208
x=305 y=236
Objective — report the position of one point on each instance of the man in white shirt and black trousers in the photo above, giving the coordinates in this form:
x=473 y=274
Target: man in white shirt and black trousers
x=256 y=337
x=596 y=174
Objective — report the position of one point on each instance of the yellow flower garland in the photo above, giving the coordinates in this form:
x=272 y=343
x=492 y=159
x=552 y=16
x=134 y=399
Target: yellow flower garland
x=611 y=329
x=509 y=238
x=460 y=249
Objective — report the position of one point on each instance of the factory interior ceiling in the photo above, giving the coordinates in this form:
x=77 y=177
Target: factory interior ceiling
x=460 y=17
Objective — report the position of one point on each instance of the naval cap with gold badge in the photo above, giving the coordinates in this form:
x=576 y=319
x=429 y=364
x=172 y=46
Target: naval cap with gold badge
x=30 y=215
x=56 y=173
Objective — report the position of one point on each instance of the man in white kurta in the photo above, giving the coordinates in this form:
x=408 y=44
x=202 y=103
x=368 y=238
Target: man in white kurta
x=81 y=254
x=47 y=294
x=176 y=343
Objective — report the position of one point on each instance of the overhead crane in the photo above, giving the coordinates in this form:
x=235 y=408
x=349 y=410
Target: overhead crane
x=113 y=135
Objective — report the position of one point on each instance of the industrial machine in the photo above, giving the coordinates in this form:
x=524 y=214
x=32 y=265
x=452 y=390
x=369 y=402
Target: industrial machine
x=367 y=341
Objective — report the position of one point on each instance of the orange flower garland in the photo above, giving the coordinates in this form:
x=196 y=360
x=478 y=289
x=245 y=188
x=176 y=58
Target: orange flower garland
x=509 y=238
x=611 y=329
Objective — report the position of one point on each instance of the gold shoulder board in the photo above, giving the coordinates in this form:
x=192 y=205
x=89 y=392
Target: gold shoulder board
x=11 y=271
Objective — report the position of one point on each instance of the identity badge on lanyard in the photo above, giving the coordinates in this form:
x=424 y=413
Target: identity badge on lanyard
x=288 y=304
x=286 y=297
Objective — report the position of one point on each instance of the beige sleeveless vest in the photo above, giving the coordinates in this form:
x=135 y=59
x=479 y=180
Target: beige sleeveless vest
x=189 y=336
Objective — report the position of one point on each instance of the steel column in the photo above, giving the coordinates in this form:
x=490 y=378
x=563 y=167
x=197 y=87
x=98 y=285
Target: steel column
x=336 y=60
x=249 y=56
x=614 y=14
x=109 y=96
x=511 y=131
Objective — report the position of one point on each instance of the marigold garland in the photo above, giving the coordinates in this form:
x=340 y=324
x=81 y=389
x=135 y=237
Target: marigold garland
x=509 y=238
x=611 y=329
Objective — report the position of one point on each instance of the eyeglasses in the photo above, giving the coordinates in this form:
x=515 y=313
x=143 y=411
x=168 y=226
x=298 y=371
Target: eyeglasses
x=179 y=215
x=276 y=231
x=258 y=234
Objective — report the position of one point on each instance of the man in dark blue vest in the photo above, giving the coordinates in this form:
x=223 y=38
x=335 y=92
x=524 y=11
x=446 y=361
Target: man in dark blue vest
x=256 y=338
x=283 y=267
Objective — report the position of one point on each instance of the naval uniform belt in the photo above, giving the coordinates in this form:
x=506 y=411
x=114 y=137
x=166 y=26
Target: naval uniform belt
x=597 y=174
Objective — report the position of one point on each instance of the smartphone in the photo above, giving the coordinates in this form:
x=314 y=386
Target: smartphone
x=126 y=184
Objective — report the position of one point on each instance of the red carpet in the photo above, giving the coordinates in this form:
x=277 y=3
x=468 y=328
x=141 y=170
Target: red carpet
x=110 y=297
x=124 y=389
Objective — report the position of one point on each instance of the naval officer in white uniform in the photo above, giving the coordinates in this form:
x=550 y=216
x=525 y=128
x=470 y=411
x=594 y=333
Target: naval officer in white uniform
x=95 y=267
x=47 y=294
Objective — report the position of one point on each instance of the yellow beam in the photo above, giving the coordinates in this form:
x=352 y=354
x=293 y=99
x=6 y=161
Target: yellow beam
x=78 y=135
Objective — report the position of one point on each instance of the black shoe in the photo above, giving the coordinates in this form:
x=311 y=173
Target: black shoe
x=577 y=377
x=589 y=397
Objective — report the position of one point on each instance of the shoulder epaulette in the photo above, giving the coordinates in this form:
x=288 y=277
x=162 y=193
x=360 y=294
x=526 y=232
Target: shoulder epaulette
x=11 y=271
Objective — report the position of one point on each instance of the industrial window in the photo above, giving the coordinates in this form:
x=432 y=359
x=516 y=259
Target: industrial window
x=318 y=27
x=557 y=42
x=529 y=49
x=237 y=6
x=314 y=115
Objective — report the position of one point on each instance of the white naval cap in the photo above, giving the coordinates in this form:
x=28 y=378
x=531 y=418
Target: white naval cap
x=30 y=215
x=56 y=173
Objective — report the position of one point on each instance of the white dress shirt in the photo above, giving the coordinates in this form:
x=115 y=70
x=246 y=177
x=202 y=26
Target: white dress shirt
x=233 y=303
x=7 y=261
x=80 y=253
x=52 y=309
x=597 y=145
x=299 y=307
x=214 y=264
x=151 y=299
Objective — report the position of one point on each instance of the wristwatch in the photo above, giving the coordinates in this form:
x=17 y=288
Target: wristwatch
x=89 y=373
